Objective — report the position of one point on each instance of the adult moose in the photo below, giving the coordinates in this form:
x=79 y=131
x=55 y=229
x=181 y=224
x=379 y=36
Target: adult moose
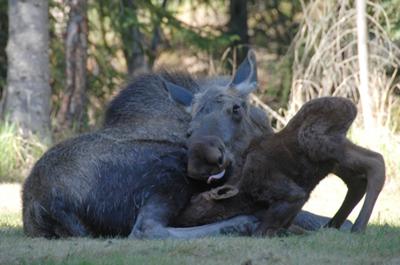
x=129 y=178
x=281 y=169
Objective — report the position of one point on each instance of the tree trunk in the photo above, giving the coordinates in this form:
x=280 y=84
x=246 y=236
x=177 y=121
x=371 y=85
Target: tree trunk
x=73 y=106
x=27 y=97
x=3 y=45
x=365 y=96
x=137 y=62
x=133 y=41
x=238 y=26
x=156 y=39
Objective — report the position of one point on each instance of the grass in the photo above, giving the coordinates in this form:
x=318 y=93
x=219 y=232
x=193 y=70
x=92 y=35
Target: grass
x=379 y=245
x=17 y=154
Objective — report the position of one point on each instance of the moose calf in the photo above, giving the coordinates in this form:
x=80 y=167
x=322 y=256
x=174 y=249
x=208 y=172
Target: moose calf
x=282 y=169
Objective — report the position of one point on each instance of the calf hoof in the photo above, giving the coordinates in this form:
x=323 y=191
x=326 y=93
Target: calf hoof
x=358 y=228
x=346 y=226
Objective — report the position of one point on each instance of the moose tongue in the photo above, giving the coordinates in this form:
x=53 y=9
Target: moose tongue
x=216 y=176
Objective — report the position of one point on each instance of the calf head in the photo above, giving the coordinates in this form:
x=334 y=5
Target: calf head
x=223 y=123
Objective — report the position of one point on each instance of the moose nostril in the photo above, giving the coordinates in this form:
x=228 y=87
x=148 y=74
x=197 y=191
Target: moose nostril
x=235 y=108
x=220 y=160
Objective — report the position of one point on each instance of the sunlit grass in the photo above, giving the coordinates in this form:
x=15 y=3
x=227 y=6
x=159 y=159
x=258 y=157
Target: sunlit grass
x=17 y=154
x=379 y=245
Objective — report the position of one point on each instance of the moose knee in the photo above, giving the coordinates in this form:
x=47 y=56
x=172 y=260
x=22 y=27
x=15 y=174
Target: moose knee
x=149 y=229
x=369 y=163
x=376 y=176
x=374 y=168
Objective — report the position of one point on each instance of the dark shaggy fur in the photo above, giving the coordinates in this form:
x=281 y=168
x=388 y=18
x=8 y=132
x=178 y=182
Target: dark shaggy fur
x=128 y=178
x=96 y=184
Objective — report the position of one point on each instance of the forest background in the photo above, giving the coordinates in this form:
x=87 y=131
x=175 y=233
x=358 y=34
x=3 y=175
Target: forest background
x=61 y=61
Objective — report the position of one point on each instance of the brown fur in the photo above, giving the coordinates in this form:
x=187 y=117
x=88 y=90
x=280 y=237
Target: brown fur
x=282 y=169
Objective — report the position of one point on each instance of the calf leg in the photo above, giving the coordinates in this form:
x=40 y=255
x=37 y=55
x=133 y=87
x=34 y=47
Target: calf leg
x=365 y=163
x=279 y=216
x=356 y=185
x=206 y=208
x=243 y=225
x=283 y=208
x=157 y=213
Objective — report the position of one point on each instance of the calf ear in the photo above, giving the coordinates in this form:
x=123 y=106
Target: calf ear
x=178 y=94
x=223 y=192
x=245 y=78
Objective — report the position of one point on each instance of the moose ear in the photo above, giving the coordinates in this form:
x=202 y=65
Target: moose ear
x=245 y=78
x=178 y=94
x=223 y=192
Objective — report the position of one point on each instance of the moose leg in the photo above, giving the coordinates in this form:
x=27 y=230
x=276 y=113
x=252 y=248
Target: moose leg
x=155 y=215
x=278 y=216
x=153 y=218
x=312 y=222
x=285 y=203
x=356 y=188
x=243 y=225
x=67 y=222
x=371 y=167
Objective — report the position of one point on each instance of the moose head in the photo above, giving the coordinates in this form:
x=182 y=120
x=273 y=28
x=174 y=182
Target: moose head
x=223 y=123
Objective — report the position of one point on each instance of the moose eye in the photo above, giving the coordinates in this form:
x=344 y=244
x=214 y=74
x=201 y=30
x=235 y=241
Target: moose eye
x=236 y=112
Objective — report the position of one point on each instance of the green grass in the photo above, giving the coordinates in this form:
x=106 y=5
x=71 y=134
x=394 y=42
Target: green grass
x=17 y=154
x=379 y=245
